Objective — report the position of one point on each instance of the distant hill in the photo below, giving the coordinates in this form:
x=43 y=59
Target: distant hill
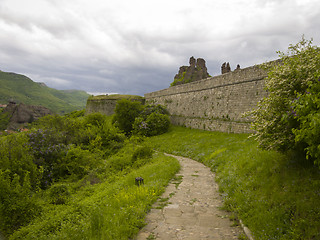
x=19 y=88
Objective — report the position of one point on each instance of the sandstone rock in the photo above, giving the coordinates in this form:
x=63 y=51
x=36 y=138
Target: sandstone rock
x=22 y=114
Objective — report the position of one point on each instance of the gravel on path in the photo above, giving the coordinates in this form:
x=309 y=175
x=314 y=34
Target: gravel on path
x=190 y=208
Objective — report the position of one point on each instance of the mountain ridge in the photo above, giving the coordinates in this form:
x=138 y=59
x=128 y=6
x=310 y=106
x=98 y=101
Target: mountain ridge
x=21 y=89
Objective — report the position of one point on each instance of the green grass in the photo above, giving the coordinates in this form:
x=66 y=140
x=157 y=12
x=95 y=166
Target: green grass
x=107 y=210
x=22 y=89
x=276 y=196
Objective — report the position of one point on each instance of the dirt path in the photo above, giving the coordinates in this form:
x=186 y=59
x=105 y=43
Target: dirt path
x=189 y=208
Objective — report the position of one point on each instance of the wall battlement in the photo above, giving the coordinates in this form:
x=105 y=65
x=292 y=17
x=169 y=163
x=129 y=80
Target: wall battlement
x=216 y=103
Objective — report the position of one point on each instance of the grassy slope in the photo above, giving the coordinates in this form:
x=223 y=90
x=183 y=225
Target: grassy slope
x=276 y=196
x=22 y=89
x=107 y=210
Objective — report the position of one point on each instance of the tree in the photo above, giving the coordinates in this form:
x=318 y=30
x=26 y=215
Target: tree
x=126 y=112
x=285 y=119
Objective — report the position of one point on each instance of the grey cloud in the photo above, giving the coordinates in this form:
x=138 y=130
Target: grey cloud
x=99 y=47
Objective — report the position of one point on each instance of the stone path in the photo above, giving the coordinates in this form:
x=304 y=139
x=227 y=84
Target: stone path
x=189 y=208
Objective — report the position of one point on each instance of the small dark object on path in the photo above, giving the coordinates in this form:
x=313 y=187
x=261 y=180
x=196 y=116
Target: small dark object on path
x=139 y=181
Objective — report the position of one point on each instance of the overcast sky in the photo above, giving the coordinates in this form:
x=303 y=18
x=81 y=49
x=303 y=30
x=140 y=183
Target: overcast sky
x=137 y=46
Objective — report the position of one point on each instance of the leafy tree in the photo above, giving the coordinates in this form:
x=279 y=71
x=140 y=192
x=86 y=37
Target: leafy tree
x=153 y=124
x=153 y=120
x=158 y=108
x=307 y=112
x=287 y=119
x=16 y=156
x=126 y=112
x=48 y=149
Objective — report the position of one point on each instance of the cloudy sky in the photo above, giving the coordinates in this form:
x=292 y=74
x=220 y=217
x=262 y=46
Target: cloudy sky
x=137 y=46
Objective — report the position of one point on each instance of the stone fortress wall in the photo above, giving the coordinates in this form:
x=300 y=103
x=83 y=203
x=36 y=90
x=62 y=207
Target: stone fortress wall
x=216 y=103
x=106 y=104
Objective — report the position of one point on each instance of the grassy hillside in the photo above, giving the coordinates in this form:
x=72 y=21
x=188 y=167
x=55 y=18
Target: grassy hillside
x=22 y=89
x=277 y=196
x=73 y=177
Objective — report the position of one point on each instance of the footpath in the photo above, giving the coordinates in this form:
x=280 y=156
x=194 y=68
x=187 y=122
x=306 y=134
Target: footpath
x=190 y=208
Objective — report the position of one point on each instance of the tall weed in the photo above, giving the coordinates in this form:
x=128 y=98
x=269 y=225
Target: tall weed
x=107 y=210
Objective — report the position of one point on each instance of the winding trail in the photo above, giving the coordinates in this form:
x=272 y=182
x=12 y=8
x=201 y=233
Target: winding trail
x=189 y=208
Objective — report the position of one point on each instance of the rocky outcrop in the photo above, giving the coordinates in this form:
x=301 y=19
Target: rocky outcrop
x=196 y=71
x=225 y=68
x=21 y=114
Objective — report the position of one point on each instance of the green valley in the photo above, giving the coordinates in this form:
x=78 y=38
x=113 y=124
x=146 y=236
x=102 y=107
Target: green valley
x=20 y=88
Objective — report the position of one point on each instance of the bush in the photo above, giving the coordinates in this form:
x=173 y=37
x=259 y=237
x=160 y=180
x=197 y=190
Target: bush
x=307 y=112
x=154 y=124
x=76 y=114
x=126 y=112
x=47 y=147
x=17 y=207
x=4 y=120
x=59 y=194
x=95 y=119
x=18 y=159
x=152 y=121
x=68 y=126
x=287 y=118
x=78 y=163
x=142 y=152
x=148 y=109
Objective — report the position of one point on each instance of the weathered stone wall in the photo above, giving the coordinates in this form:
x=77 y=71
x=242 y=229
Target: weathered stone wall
x=106 y=104
x=215 y=103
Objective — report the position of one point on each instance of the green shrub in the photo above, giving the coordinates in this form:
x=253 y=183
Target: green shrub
x=48 y=148
x=4 y=120
x=69 y=127
x=153 y=124
x=78 y=163
x=59 y=194
x=17 y=207
x=158 y=108
x=141 y=156
x=76 y=114
x=284 y=120
x=125 y=113
x=307 y=112
x=18 y=159
x=142 y=152
x=95 y=119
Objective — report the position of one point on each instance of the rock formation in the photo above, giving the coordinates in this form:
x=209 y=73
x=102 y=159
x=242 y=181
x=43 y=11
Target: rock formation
x=225 y=68
x=21 y=114
x=196 y=71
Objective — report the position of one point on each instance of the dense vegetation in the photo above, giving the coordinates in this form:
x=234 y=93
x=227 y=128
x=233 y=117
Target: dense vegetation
x=135 y=118
x=73 y=177
x=288 y=118
x=277 y=196
x=20 y=88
